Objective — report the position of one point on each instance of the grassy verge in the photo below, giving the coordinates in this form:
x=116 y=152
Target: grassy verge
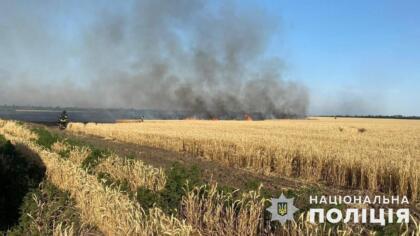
x=47 y=139
x=18 y=175
x=29 y=204
x=179 y=179
x=110 y=210
x=47 y=210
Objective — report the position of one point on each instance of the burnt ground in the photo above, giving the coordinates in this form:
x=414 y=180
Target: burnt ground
x=212 y=171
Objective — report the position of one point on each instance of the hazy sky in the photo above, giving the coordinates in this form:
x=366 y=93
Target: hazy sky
x=354 y=57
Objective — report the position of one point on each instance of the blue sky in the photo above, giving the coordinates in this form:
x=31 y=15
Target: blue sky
x=355 y=57
x=367 y=51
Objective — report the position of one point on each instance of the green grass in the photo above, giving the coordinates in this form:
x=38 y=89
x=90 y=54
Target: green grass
x=107 y=180
x=64 y=153
x=45 y=138
x=2 y=140
x=168 y=199
x=78 y=143
x=178 y=176
x=94 y=158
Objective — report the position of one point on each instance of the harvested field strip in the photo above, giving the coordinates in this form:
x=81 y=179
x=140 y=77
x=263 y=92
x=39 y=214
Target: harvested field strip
x=384 y=157
x=110 y=210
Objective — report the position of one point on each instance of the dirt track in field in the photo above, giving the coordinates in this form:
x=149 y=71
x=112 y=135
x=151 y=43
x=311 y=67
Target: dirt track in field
x=211 y=171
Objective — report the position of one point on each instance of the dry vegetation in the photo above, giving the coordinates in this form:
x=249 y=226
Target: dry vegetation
x=204 y=210
x=210 y=213
x=107 y=208
x=373 y=154
x=134 y=171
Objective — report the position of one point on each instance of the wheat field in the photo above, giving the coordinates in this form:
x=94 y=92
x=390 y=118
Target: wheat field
x=110 y=210
x=204 y=210
x=373 y=154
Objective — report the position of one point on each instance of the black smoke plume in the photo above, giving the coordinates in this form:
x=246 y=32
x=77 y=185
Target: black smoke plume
x=206 y=59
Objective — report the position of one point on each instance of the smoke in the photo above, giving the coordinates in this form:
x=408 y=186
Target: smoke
x=207 y=59
x=350 y=101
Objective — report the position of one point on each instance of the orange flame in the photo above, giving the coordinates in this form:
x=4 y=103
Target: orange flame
x=248 y=117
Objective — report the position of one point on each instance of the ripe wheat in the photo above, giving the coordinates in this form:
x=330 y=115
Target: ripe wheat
x=384 y=157
x=205 y=210
x=113 y=212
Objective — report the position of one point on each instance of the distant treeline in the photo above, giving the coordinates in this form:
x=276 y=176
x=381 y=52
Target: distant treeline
x=104 y=115
x=376 y=116
x=111 y=114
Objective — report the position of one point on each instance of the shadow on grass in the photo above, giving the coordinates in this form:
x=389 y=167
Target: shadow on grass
x=21 y=171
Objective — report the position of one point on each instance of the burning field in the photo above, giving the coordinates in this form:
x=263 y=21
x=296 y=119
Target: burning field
x=163 y=117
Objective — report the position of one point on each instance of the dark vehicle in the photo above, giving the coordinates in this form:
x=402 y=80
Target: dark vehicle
x=63 y=120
